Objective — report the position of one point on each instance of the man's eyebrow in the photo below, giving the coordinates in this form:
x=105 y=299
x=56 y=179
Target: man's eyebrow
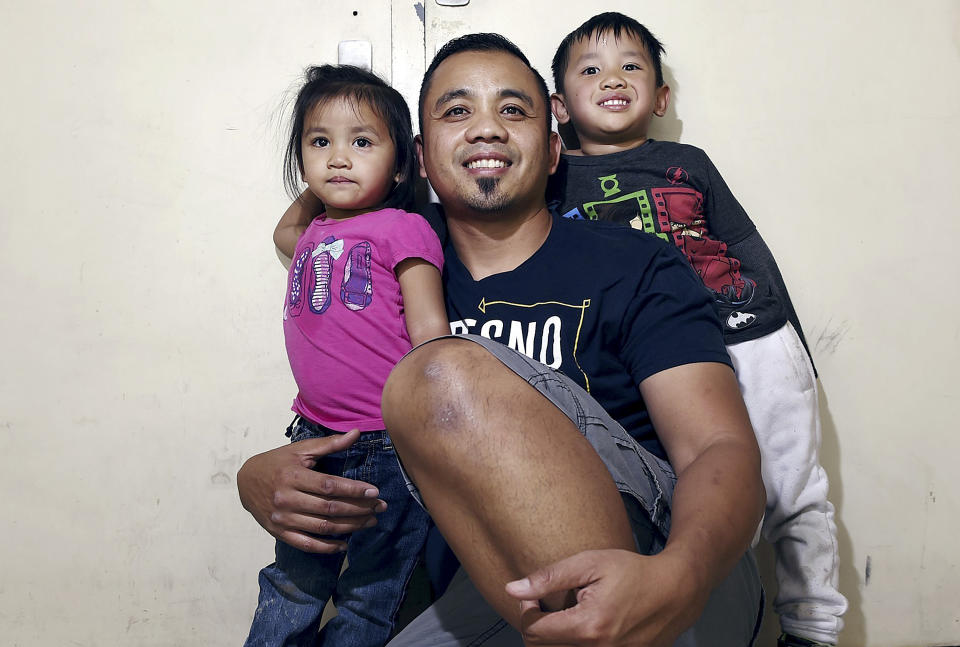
x=517 y=94
x=463 y=92
x=451 y=95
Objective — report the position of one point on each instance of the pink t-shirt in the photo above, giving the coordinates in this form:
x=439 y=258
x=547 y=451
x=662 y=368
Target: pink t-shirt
x=343 y=317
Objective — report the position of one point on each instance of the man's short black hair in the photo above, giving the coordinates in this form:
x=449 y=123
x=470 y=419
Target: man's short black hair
x=612 y=22
x=482 y=42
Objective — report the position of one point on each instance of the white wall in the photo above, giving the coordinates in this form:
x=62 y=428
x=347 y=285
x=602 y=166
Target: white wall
x=141 y=332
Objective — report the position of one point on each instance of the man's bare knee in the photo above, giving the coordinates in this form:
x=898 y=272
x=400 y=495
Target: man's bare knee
x=429 y=388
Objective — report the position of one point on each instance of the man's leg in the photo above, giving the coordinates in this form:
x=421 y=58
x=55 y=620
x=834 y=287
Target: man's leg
x=460 y=618
x=510 y=481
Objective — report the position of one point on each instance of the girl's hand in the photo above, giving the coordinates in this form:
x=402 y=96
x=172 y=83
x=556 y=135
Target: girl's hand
x=299 y=506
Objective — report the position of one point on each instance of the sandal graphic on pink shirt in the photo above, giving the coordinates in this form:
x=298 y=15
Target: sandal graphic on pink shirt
x=295 y=302
x=356 y=291
x=326 y=252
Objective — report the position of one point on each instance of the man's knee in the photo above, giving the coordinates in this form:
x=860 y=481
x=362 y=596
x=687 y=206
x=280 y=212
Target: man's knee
x=431 y=387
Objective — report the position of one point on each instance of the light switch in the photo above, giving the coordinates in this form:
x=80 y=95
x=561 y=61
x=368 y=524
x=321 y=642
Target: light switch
x=355 y=52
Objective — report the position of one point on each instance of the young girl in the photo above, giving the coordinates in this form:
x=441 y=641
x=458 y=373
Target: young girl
x=364 y=286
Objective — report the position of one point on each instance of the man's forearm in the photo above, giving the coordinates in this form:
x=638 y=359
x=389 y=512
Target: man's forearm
x=719 y=497
x=717 y=504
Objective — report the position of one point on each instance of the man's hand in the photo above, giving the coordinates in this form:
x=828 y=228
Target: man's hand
x=297 y=505
x=623 y=599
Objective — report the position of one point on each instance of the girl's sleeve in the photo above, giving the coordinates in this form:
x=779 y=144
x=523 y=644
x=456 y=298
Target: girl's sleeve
x=410 y=236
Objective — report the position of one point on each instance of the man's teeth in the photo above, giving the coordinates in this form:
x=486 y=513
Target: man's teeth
x=615 y=102
x=486 y=163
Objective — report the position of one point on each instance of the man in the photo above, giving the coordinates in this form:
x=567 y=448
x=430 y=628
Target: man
x=513 y=460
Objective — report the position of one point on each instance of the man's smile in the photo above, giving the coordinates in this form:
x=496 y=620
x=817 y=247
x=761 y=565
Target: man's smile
x=488 y=161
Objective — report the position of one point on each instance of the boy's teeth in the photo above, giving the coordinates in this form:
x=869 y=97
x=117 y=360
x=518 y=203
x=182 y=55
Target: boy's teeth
x=487 y=163
x=614 y=102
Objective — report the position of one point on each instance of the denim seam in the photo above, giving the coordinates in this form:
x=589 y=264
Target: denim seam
x=554 y=383
x=657 y=508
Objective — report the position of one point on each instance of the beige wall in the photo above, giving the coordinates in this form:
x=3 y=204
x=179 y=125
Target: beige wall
x=140 y=330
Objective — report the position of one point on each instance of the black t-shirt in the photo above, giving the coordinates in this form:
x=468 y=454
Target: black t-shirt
x=674 y=192
x=605 y=305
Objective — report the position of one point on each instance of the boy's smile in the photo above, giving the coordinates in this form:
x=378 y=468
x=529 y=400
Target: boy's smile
x=610 y=93
x=615 y=102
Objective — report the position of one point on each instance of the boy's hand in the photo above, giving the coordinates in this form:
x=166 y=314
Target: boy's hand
x=622 y=599
x=299 y=506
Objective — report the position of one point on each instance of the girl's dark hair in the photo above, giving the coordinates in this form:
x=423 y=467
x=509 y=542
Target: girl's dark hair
x=325 y=83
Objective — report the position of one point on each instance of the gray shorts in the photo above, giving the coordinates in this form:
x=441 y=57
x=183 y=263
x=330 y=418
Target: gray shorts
x=646 y=483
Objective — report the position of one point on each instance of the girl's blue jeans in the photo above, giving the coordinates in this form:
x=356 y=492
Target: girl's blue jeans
x=296 y=587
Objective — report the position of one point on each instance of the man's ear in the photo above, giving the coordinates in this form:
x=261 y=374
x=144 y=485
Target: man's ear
x=662 y=100
x=556 y=146
x=559 y=106
x=418 y=144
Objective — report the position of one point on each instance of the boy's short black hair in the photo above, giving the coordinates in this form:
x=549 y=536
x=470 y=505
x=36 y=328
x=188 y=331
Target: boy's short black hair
x=616 y=23
x=325 y=83
x=482 y=42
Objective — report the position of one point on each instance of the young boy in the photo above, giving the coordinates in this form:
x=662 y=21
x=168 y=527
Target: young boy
x=610 y=85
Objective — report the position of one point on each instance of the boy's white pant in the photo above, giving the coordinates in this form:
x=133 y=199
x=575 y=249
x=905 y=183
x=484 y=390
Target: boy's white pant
x=780 y=391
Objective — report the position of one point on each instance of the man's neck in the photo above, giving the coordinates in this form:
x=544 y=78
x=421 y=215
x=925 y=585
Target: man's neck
x=489 y=244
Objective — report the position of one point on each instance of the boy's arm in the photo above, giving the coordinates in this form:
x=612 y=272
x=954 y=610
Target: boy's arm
x=756 y=259
x=731 y=224
x=294 y=222
x=423 y=306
